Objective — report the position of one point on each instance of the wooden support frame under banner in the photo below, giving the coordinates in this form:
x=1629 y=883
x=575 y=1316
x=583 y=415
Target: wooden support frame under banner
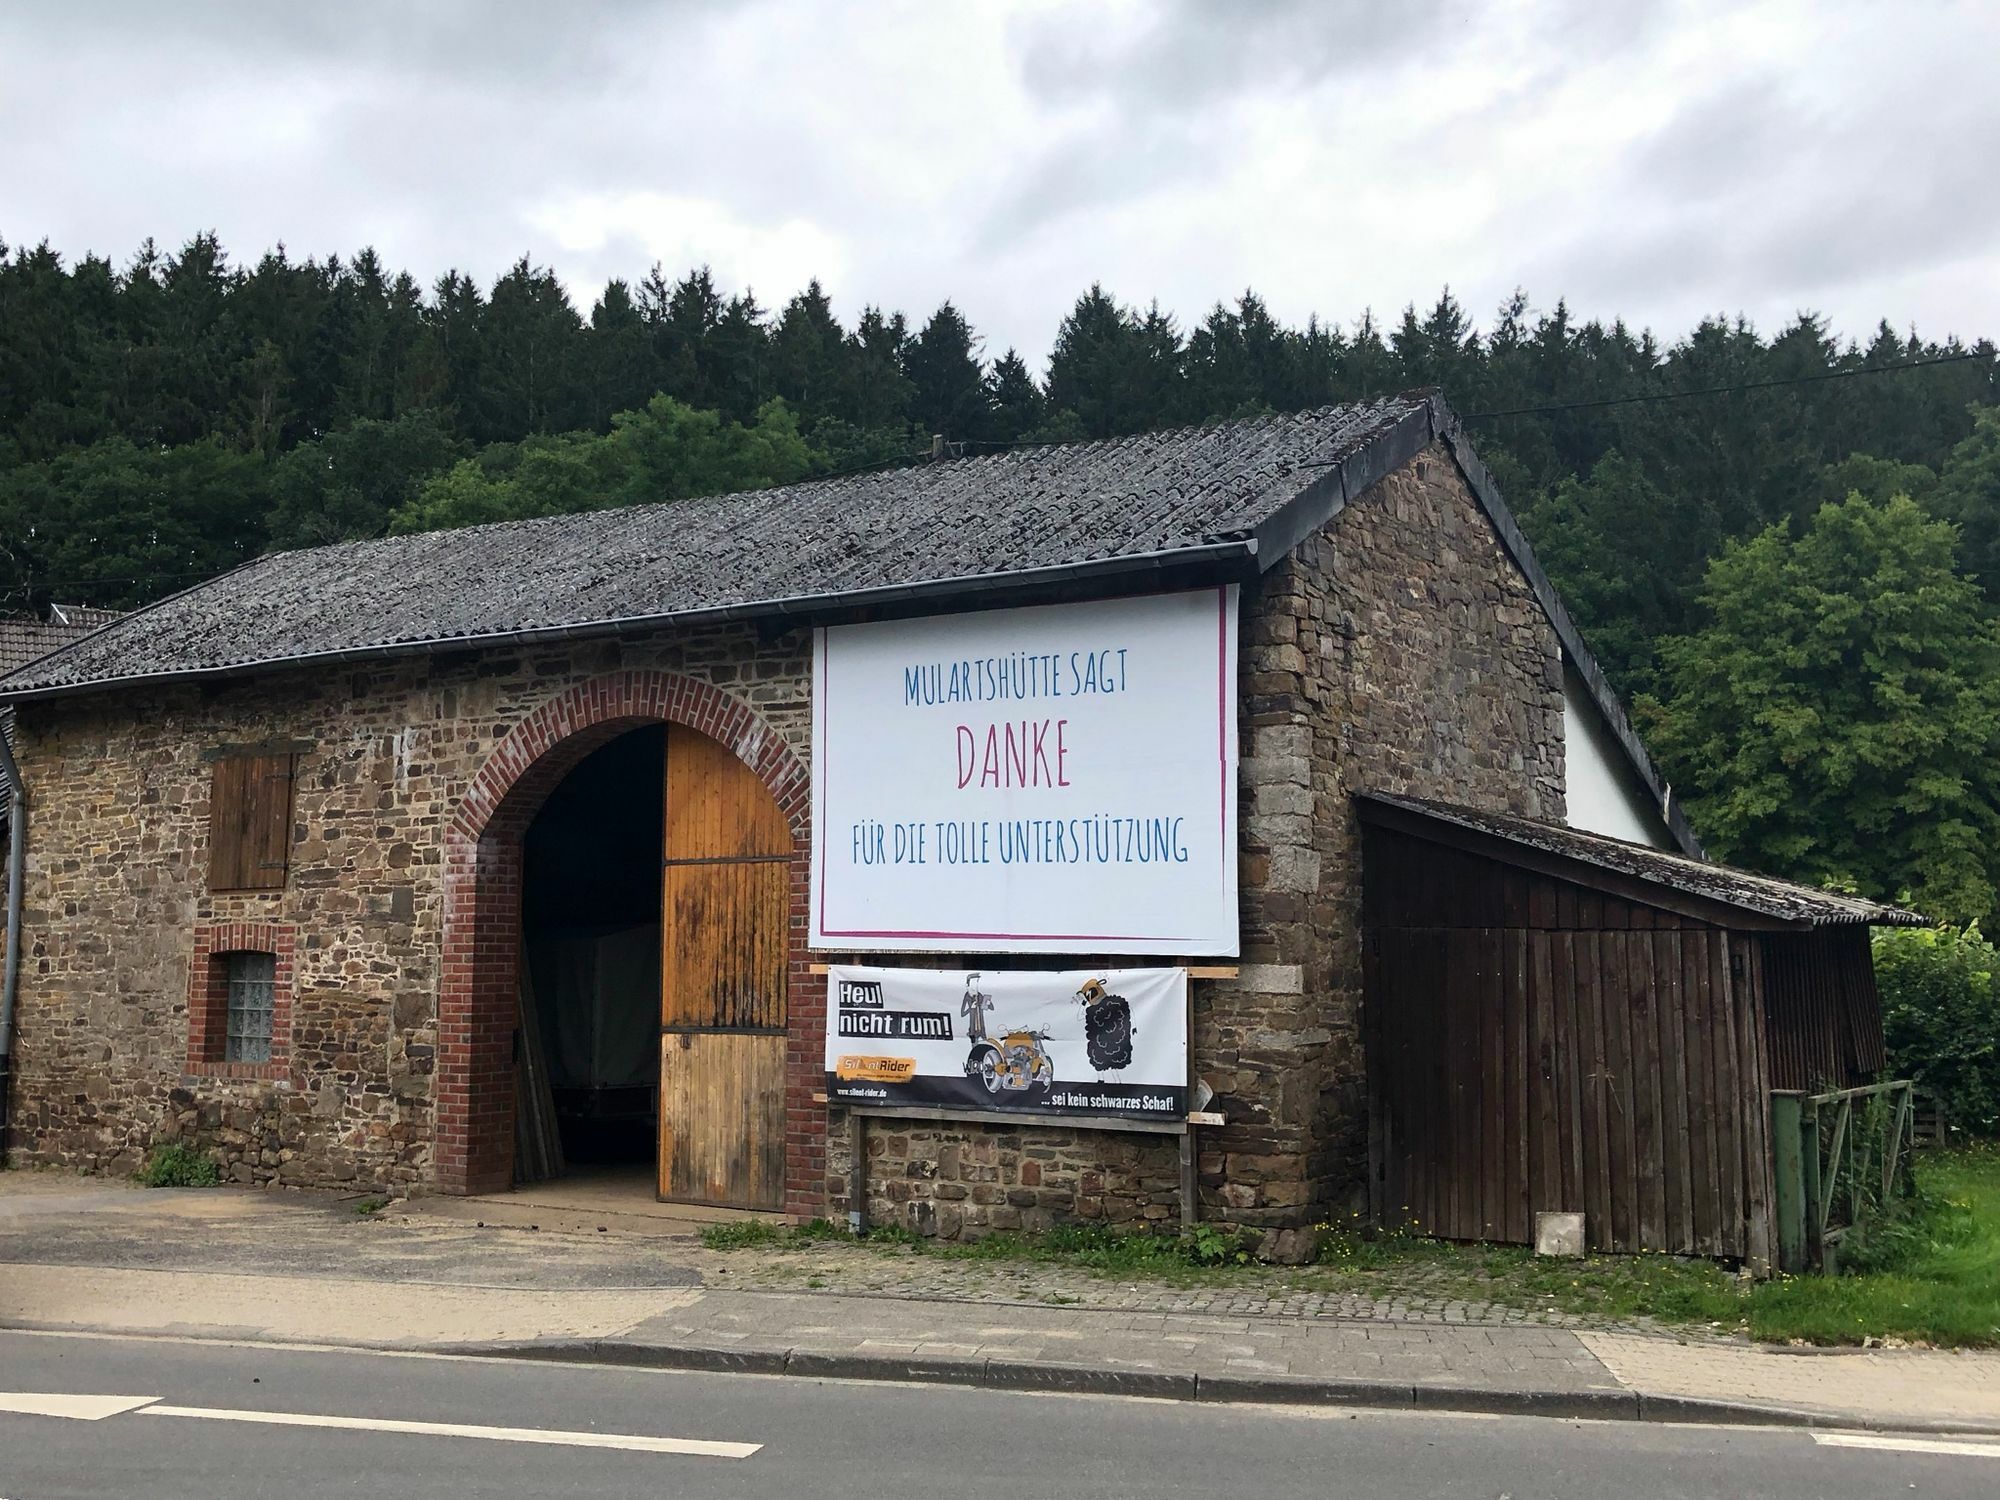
x=857 y=1144
x=1184 y=1129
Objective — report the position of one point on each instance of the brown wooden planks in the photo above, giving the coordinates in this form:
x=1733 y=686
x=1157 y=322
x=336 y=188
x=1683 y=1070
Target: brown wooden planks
x=720 y=1142
x=1588 y=979
x=1462 y=1083
x=1649 y=1139
x=1573 y=1053
x=1490 y=1129
x=1757 y=1099
x=1621 y=1111
x=1541 y=902
x=716 y=806
x=1677 y=1162
x=1518 y=1225
x=249 y=822
x=1699 y=1029
x=1728 y=1097
x=227 y=832
x=725 y=962
x=1575 y=1050
x=1548 y=1192
x=725 y=920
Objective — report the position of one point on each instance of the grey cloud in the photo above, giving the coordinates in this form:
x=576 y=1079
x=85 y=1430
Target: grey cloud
x=1748 y=129
x=552 y=47
x=1195 y=52
x=1753 y=197
x=1158 y=100
x=1837 y=158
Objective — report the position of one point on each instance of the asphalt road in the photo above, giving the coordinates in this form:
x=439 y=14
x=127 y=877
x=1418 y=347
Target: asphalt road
x=227 y=1421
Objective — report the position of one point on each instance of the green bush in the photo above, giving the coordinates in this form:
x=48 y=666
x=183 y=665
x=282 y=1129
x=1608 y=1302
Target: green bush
x=178 y=1166
x=1941 y=1018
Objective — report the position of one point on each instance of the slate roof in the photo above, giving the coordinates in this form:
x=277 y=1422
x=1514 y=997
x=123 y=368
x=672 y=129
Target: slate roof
x=1763 y=894
x=957 y=526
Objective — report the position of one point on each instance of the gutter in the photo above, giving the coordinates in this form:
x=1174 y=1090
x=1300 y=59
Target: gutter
x=10 y=975
x=1244 y=550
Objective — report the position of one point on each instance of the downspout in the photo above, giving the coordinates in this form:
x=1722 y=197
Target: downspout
x=10 y=976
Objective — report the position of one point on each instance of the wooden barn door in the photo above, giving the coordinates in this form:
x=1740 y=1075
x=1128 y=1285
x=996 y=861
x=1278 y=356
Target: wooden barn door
x=722 y=981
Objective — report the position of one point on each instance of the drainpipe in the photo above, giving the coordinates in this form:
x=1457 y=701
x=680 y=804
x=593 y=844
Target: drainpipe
x=10 y=976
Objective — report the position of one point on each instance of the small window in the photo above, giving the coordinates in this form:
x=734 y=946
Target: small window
x=252 y=980
x=250 y=823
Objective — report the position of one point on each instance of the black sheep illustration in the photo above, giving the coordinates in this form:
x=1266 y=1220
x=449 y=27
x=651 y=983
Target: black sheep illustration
x=1107 y=1027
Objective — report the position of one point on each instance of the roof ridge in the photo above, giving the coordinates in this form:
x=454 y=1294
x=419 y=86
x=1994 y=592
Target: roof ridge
x=1199 y=496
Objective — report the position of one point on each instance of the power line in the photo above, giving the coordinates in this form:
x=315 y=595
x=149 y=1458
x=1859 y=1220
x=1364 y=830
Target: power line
x=1729 y=390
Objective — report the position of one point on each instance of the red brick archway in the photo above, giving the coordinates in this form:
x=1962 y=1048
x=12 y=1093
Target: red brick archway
x=482 y=917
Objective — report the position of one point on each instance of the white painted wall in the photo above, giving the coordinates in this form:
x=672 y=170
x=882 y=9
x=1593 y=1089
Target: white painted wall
x=1601 y=790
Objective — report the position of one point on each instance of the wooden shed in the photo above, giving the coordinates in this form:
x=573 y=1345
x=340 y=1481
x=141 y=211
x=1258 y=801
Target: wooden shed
x=1559 y=1021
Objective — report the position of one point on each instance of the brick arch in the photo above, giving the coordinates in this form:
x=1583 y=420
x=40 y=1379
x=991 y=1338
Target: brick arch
x=479 y=972
x=550 y=743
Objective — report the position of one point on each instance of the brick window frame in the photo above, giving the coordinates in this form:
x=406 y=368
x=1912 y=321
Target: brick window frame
x=208 y=997
x=478 y=979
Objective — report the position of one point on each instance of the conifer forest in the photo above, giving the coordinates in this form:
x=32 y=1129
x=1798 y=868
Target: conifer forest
x=1783 y=544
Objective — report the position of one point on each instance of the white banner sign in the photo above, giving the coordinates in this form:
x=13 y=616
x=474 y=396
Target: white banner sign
x=1084 y=1042
x=1054 y=779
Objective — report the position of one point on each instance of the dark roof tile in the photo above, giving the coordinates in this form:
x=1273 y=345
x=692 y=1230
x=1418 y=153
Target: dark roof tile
x=960 y=521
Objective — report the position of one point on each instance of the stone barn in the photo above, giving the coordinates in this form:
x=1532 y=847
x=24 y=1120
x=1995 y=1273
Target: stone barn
x=434 y=863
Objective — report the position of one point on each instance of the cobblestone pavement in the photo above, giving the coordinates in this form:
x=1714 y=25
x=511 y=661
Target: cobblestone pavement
x=1416 y=1296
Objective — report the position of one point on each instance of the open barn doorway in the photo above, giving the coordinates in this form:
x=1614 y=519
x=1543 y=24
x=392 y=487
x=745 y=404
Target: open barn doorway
x=590 y=928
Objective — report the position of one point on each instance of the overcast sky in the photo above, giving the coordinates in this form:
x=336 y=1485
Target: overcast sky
x=1652 y=161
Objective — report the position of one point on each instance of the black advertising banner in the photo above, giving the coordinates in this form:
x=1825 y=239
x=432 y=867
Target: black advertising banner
x=1077 y=1042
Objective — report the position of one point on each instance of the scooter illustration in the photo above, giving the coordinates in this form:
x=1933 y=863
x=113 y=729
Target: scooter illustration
x=1015 y=1063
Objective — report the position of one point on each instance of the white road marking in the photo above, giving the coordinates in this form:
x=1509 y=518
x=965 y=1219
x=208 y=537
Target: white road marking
x=62 y=1404
x=1956 y=1447
x=633 y=1442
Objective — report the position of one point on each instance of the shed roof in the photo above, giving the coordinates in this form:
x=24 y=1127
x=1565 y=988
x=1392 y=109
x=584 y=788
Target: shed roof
x=1233 y=495
x=1496 y=833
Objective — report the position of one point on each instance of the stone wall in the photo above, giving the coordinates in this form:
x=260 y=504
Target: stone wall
x=1400 y=650
x=117 y=889
x=1422 y=665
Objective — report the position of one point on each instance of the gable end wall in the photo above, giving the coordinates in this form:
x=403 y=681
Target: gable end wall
x=1399 y=650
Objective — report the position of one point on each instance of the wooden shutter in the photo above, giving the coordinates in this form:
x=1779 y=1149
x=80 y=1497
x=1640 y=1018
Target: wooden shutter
x=250 y=823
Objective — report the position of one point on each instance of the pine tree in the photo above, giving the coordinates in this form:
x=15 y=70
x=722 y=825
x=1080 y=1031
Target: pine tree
x=530 y=339
x=1115 y=370
x=808 y=355
x=877 y=393
x=619 y=356
x=947 y=385
x=738 y=359
x=1014 y=399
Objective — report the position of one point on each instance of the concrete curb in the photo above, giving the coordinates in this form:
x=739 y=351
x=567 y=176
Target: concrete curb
x=1022 y=1375
x=1262 y=1390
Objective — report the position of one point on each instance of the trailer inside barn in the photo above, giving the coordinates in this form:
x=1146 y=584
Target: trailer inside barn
x=1562 y=1022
